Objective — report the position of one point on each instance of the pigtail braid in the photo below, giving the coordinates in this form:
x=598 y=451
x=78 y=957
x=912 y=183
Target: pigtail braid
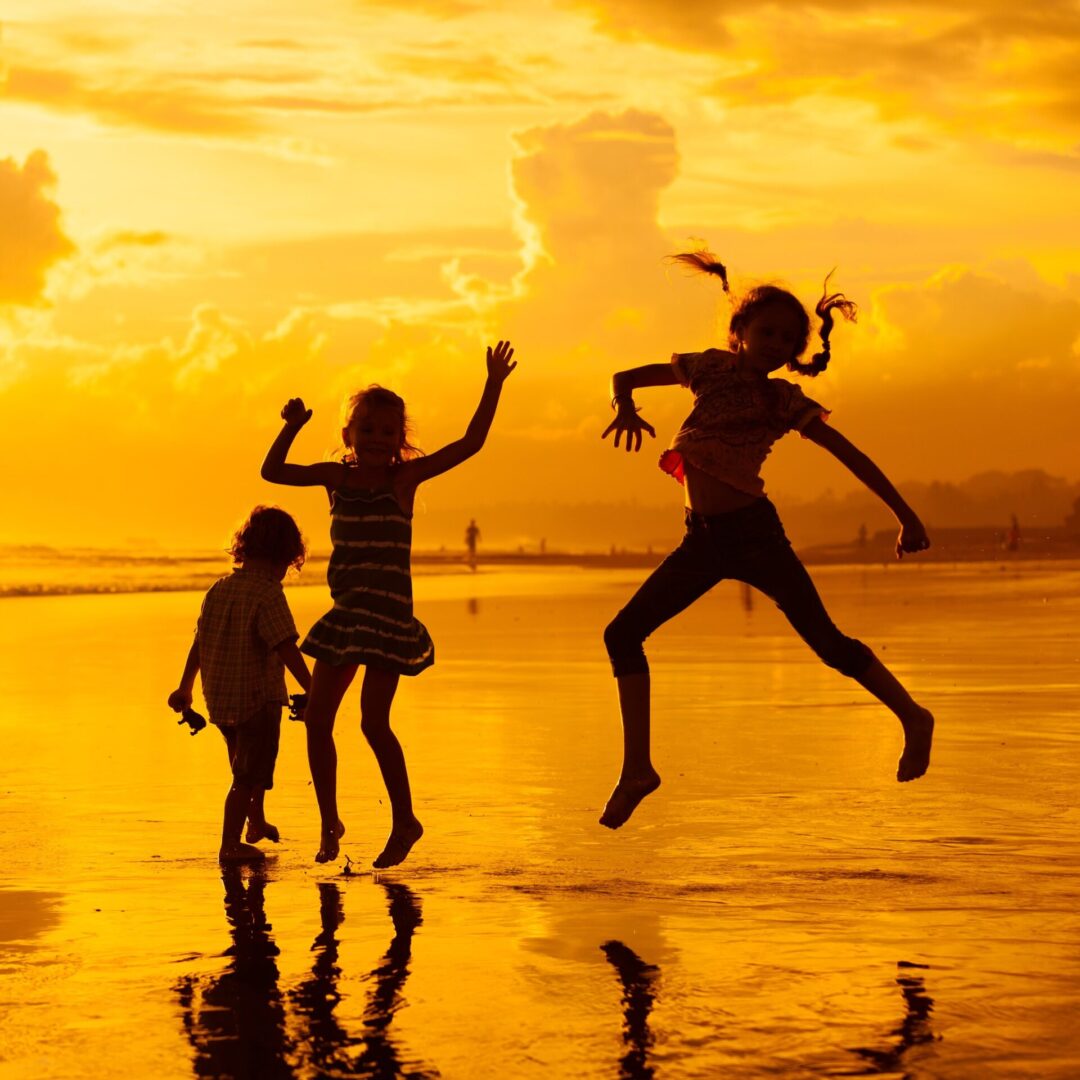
x=704 y=262
x=824 y=311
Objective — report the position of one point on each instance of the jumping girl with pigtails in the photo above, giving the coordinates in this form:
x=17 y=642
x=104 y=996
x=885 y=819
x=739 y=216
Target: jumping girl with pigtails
x=732 y=529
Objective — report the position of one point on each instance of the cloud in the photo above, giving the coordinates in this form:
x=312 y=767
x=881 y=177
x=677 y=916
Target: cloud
x=32 y=238
x=176 y=109
x=453 y=61
x=441 y=9
x=971 y=326
x=587 y=197
x=992 y=68
x=967 y=370
x=225 y=104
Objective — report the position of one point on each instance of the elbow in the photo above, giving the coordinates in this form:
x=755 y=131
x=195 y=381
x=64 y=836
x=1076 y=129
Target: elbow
x=268 y=472
x=471 y=444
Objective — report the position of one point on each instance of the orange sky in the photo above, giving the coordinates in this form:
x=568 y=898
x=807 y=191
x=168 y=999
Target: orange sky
x=207 y=208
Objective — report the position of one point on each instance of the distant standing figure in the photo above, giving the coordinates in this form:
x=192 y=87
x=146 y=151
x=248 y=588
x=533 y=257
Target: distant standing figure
x=371 y=492
x=1012 y=536
x=732 y=529
x=245 y=638
x=472 y=535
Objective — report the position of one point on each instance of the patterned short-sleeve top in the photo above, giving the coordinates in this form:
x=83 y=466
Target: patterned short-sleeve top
x=737 y=416
x=370 y=578
x=243 y=618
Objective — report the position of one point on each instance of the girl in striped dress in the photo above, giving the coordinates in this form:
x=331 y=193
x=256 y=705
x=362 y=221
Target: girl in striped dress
x=371 y=624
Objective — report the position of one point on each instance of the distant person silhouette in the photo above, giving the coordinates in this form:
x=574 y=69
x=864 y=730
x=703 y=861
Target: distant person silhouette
x=371 y=492
x=732 y=529
x=472 y=535
x=244 y=640
x=1012 y=535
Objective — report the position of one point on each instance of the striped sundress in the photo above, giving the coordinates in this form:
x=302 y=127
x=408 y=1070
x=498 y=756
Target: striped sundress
x=371 y=622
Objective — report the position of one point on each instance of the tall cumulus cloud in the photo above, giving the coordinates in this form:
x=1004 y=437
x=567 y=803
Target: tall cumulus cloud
x=32 y=238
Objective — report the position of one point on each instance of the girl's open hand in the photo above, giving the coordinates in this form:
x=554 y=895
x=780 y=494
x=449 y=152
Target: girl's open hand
x=498 y=361
x=294 y=414
x=912 y=538
x=630 y=423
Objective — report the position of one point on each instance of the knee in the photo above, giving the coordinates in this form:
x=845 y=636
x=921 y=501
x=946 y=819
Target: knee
x=625 y=648
x=374 y=724
x=847 y=655
x=614 y=637
x=319 y=718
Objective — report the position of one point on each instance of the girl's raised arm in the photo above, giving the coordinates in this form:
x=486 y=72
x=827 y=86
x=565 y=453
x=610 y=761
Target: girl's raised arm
x=499 y=367
x=912 y=533
x=278 y=471
x=623 y=384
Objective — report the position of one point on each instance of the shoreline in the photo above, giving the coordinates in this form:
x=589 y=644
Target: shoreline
x=193 y=574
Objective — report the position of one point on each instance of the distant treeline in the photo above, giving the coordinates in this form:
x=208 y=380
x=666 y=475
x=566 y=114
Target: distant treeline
x=987 y=500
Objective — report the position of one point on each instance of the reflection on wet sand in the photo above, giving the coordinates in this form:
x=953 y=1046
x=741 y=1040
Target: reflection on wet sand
x=326 y=1044
x=241 y=1025
x=379 y=1056
x=914 y=1029
x=235 y=1021
x=637 y=980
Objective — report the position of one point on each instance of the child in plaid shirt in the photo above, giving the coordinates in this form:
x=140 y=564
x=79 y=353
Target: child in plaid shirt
x=244 y=640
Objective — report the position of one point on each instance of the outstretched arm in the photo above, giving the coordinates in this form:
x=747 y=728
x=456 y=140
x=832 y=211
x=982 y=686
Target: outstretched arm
x=623 y=384
x=912 y=533
x=499 y=367
x=277 y=470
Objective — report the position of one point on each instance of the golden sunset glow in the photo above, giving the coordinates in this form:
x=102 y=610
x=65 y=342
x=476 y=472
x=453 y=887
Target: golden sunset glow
x=545 y=859
x=204 y=212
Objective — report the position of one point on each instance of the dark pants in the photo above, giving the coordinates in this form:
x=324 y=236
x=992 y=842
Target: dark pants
x=745 y=545
x=253 y=746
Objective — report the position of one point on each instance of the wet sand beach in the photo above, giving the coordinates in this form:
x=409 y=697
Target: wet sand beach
x=781 y=907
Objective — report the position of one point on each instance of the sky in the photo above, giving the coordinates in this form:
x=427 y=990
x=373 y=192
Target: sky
x=206 y=209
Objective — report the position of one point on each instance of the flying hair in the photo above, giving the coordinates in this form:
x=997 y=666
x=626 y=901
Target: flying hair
x=824 y=311
x=747 y=307
x=704 y=262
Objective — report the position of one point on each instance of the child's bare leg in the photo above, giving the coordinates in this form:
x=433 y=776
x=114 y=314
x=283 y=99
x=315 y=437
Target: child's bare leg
x=236 y=809
x=328 y=685
x=376 y=698
x=638 y=777
x=785 y=579
x=918 y=723
x=258 y=827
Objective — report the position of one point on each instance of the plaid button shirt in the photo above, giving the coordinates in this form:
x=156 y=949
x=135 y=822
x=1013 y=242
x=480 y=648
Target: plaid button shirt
x=244 y=617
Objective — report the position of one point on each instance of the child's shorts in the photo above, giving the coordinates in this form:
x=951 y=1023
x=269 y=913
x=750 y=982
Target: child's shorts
x=253 y=746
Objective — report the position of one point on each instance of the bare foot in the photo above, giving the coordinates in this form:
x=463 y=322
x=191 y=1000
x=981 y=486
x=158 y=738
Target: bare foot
x=398 y=844
x=623 y=801
x=262 y=830
x=918 y=735
x=239 y=853
x=328 y=845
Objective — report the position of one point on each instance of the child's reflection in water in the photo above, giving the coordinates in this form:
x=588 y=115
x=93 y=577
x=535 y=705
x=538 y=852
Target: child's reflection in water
x=914 y=1029
x=637 y=979
x=241 y=1025
x=235 y=1021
